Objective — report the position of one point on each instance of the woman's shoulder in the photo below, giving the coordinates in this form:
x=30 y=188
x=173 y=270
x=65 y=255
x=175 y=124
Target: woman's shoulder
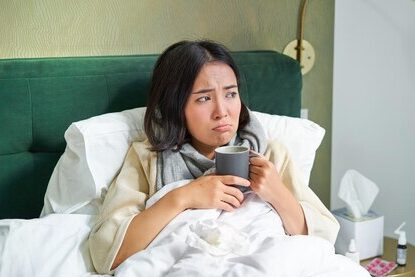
x=142 y=149
x=141 y=143
x=276 y=146
x=277 y=152
x=145 y=159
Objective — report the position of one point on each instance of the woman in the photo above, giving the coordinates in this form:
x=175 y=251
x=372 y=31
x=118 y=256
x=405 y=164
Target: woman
x=194 y=107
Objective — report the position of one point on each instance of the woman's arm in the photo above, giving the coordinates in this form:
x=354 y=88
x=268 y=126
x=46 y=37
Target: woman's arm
x=204 y=192
x=147 y=224
x=268 y=185
x=301 y=211
x=290 y=211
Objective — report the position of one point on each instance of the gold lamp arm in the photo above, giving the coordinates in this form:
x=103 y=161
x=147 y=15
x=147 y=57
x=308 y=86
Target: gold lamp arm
x=300 y=35
x=300 y=49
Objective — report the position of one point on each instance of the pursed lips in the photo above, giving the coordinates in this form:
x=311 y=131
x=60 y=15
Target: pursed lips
x=223 y=128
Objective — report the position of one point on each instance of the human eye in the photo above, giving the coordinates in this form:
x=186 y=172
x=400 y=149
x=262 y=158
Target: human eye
x=203 y=99
x=231 y=94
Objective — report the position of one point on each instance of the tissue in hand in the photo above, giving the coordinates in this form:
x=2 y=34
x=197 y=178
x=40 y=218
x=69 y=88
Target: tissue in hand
x=356 y=220
x=358 y=192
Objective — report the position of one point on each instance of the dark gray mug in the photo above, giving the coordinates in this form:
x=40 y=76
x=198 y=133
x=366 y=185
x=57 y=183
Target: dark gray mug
x=233 y=160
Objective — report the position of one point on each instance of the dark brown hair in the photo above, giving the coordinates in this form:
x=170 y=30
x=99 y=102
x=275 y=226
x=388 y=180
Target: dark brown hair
x=172 y=81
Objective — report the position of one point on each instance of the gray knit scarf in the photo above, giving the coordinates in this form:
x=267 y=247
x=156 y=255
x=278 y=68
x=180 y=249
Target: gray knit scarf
x=188 y=163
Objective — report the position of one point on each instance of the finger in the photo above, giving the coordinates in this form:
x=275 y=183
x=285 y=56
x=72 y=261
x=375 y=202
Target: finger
x=256 y=168
x=231 y=180
x=258 y=161
x=230 y=199
x=235 y=192
x=256 y=179
x=225 y=206
x=255 y=173
x=253 y=153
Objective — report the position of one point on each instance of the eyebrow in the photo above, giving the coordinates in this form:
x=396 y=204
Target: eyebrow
x=211 y=89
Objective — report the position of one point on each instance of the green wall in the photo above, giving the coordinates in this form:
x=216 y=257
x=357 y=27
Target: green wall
x=48 y=28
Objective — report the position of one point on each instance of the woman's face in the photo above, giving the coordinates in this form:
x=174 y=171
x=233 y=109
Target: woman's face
x=213 y=108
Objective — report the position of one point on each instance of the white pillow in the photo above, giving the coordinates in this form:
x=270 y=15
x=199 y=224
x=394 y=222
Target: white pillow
x=96 y=148
x=300 y=136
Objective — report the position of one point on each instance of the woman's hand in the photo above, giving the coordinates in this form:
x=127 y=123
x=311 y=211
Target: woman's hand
x=267 y=183
x=213 y=191
x=264 y=178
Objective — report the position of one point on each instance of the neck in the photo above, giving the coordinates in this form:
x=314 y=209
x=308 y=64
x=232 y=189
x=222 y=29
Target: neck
x=207 y=151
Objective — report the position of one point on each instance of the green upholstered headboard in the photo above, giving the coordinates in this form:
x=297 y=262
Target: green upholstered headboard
x=40 y=98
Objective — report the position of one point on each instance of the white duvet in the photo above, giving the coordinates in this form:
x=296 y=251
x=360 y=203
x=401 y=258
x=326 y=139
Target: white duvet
x=249 y=241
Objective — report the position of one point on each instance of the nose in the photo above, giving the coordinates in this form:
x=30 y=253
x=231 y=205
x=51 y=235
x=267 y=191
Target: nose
x=220 y=110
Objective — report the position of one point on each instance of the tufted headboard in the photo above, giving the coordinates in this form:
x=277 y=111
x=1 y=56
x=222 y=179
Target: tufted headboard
x=40 y=98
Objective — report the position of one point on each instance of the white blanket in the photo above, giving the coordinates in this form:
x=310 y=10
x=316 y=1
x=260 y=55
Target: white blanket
x=247 y=242
x=52 y=246
x=198 y=243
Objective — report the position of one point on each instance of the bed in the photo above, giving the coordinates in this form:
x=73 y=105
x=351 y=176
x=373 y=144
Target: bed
x=65 y=126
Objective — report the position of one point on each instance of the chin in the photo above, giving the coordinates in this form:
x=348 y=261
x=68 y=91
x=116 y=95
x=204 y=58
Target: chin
x=224 y=140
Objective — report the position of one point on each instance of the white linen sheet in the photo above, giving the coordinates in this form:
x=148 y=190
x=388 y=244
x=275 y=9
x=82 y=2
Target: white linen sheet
x=249 y=241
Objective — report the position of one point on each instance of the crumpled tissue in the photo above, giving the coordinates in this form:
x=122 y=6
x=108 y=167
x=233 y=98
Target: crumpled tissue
x=358 y=192
x=217 y=238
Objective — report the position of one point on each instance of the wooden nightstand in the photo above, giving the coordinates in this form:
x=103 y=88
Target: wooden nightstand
x=389 y=253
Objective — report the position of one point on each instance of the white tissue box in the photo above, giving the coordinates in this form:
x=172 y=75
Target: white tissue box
x=367 y=232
